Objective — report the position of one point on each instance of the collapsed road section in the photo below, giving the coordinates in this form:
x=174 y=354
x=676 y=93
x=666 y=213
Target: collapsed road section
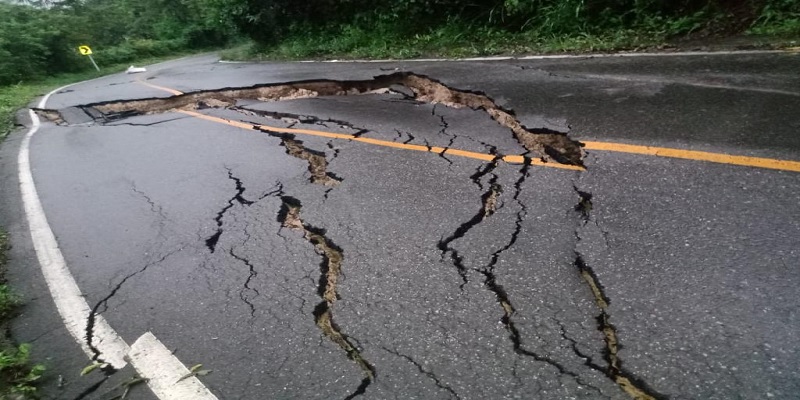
x=545 y=144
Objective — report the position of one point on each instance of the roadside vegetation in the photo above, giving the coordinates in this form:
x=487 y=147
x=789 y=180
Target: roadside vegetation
x=450 y=28
x=16 y=96
x=38 y=52
x=17 y=375
x=42 y=41
x=39 y=41
x=40 y=38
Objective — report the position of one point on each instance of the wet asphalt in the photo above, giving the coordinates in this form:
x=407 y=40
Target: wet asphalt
x=697 y=262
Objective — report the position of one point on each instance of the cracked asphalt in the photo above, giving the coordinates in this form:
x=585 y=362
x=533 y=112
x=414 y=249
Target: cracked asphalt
x=298 y=265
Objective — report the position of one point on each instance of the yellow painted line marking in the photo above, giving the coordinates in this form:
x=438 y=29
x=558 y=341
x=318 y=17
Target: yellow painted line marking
x=166 y=89
x=720 y=158
x=757 y=162
x=384 y=143
x=518 y=160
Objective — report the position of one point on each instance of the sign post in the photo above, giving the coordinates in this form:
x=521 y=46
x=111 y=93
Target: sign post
x=87 y=51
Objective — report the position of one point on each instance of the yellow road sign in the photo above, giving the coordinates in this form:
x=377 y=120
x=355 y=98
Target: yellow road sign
x=85 y=50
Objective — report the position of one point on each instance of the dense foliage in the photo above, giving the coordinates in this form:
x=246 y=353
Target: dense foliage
x=39 y=41
x=42 y=41
x=270 y=21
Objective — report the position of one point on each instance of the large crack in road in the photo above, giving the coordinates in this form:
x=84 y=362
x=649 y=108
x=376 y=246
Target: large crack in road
x=549 y=146
x=237 y=198
x=330 y=271
x=317 y=160
x=294 y=119
x=489 y=200
x=488 y=205
x=635 y=387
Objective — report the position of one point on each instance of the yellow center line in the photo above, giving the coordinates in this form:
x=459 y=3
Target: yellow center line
x=512 y=159
x=720 y=158
x=166 y=89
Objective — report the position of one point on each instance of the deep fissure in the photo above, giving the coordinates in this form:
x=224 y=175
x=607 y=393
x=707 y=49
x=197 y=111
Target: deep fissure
x=488 y=206
x=549 y=145
x=490 y=279
x=629 y=383
x=443 y=131
x=301 y=119
x=330 y=272
x=238 y=197
x=542 y=141
x=317 y=160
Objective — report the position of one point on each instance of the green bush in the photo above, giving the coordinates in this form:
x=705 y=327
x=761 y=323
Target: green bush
x=153 y=48
x=37 y=42
x=8 y=301
x=16 y=376
x=136 y=49
x=114 y=55
x=34 y=43
x=778 y=17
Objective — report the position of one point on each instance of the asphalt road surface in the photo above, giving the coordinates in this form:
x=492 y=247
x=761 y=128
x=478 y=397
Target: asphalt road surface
x=434 y=233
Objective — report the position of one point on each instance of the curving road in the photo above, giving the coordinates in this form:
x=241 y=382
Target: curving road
x=587 y=228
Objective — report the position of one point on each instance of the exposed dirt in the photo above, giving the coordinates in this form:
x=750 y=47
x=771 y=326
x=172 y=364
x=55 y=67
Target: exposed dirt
x=547 y=145
x=317 y=163
x=330 y=271
x=633 y=386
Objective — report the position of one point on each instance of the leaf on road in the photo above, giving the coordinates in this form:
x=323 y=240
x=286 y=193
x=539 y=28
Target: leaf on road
x=95 y=365
x=195 y=371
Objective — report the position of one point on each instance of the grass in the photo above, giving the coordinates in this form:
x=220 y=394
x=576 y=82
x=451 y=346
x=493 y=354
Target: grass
x=14 y=97
x=459 y=39
x=771 y=25
x=450 y=41
x=17 y=376
x=447 y=41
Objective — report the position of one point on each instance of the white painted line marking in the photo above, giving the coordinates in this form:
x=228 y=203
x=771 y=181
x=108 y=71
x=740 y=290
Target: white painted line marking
x=497 y=58
x=664 y=54
x=150 y=358
x=165 y=379
x=65 y=292
x=678 y=81
x=548 y=57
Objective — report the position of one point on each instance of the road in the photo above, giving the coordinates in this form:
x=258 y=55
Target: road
x=587 y=228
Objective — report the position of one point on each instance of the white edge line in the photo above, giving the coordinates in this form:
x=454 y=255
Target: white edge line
x=167 y=377
x=545 y=57
x=66 y=294
x=148 y=356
